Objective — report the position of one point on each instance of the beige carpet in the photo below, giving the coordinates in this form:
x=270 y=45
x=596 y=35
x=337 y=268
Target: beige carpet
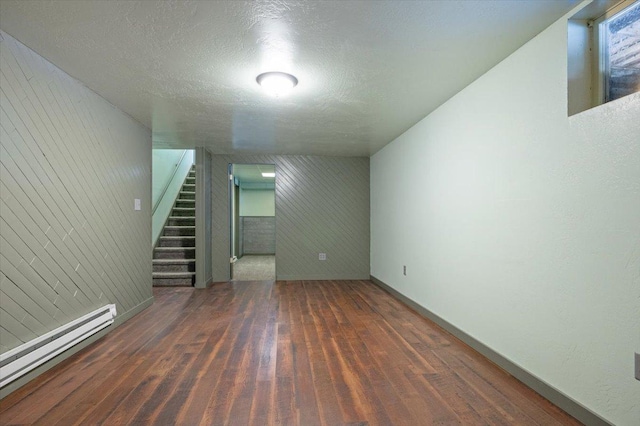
x=255 y=268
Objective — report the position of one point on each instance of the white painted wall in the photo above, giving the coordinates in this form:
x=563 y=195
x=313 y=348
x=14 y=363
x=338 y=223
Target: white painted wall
x=257 y=202
x=521 y=226
x=165 y=162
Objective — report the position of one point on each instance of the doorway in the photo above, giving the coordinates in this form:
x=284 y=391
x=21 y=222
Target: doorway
x=252 y=224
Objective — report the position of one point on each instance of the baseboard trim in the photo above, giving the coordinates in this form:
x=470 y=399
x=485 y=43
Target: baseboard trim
x=204 y=284
x=557 y=397
x=119 y=319
x=320 y=278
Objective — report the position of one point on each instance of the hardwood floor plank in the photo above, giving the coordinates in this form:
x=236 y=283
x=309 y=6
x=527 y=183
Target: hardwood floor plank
x=306 y=384
x=204 y=380
x=335 y=399
x=149 y=362
x=85 y=374
x=283 y=353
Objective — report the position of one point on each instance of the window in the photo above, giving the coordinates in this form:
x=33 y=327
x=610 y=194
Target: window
x=620 y=53
x=603 y=54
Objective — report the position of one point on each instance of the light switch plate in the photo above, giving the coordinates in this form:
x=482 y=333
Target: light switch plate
x=136 y=204
x=322 y=256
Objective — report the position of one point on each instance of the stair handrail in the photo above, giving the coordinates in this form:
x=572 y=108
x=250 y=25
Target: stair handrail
x=175 y=170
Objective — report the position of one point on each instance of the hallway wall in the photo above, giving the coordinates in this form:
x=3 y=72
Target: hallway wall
x=257 y=202
x=257 y=235
x=71 y=166
x=521 y=226
x=322 y=205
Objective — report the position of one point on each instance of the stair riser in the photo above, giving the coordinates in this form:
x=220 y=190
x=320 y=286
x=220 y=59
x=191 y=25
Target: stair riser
x=183 y=213
x=189 y=232
x=178 y=253
x=187 y=221
x=182 y=242
x=175 y=267
x=177 y=249
x=190 y=204
x=173 y=282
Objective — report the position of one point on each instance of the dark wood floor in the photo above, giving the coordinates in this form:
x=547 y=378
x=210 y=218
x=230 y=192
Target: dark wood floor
x=303 y=353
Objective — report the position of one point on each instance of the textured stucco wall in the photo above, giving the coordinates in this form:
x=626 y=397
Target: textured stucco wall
x=521 y=226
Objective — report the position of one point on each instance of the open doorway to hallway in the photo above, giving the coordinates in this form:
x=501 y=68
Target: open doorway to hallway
x=253 y=224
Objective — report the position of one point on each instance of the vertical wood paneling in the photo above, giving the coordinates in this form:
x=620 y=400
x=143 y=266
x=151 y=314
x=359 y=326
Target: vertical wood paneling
x=70 y=167
x=322 y=205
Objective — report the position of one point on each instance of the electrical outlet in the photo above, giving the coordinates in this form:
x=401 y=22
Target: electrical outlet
x=637 y=366
x=404 y=270
x=322 y=256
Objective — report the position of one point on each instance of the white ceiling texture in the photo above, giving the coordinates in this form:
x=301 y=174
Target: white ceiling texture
x=367 y=70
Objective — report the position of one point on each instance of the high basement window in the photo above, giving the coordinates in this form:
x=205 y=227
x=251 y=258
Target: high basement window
x=604 y=54
x=619 y=44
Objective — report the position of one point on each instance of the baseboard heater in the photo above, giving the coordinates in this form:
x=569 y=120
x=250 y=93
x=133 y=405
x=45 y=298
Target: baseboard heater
x=19 y=361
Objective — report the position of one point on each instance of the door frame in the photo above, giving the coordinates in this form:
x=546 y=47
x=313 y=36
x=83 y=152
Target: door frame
x=233 y=196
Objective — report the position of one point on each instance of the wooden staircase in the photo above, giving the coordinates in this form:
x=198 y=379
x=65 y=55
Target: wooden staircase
x=174 y=258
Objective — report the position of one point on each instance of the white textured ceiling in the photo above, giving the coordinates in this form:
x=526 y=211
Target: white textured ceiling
x=368 y=70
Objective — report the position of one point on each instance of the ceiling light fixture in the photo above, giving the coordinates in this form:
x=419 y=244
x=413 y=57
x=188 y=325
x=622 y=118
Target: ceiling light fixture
x=268 y=174
x=277 y=83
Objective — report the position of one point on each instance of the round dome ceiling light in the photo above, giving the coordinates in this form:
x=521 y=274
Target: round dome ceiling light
x=277 y=83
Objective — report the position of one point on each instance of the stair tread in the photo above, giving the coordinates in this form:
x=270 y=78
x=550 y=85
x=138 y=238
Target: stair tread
x=173 y=260
x=172 y=274
x=174 y=248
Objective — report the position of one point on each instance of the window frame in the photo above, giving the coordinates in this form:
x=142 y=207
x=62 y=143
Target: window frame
x=600 y=50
